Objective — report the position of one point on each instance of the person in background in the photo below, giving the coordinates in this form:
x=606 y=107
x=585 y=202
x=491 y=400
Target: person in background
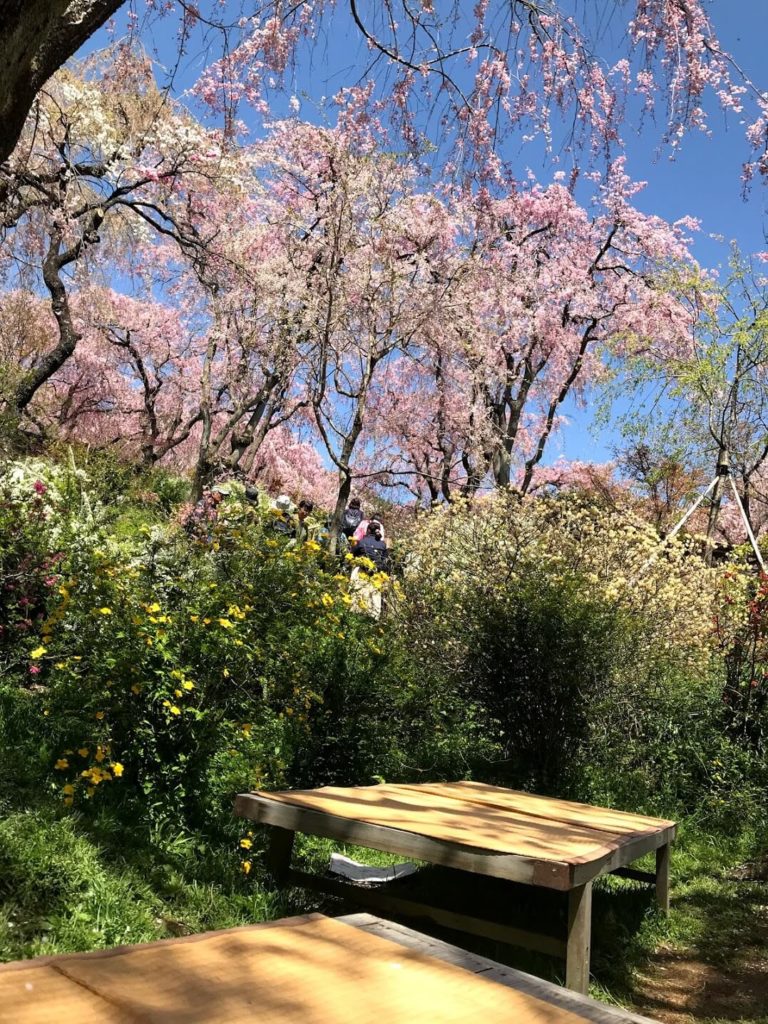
x=202 y=519
x=365 y=589
x=352 y=517
x=220 y=491
x=361 y=530
x=301 y=529
x=282 y=521
x=373 y=546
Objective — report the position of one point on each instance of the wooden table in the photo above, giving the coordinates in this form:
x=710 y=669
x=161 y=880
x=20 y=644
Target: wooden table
x=540 y=841
x=305 y=970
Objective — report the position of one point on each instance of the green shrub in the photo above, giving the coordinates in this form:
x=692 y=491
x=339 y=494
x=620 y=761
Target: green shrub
x=591 y=649
x=547 y=644
x=169 y=674
x=666 y=749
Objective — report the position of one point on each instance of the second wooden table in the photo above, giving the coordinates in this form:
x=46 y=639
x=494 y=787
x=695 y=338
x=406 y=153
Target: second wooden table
x=540 y=841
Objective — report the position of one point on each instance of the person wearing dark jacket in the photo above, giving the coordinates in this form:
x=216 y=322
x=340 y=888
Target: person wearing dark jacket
x=352 y=517
x=372 y=546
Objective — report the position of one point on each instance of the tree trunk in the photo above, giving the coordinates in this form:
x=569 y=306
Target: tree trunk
x=52 y=361
x=502 y=465
x=342 y=500
x=256 y=427
x=746 y=500
x=37 y=37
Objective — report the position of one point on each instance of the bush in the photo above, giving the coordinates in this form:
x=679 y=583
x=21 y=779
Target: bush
x=666 y=749
x=548 y=644
x=590 y=646
x=168 y=674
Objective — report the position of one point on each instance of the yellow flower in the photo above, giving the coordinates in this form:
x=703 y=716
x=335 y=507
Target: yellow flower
x=246 y=727
x=83 y=751
x=117 y=769
x=226 y=624
x=68 y=790
x=188 y=685
x=246 y=844
x=177 y=693
x=99 y=715
x=154 y=607
x=68 y=801
x=99 y=755
x=246 y=866
x=60 y=665
x=38 y=652
x=61 y=764
x=174 y=710
x=327 y=600
x=194 y=618
x=105 y=611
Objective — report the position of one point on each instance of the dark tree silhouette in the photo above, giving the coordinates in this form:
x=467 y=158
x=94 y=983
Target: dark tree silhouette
x=36 y=38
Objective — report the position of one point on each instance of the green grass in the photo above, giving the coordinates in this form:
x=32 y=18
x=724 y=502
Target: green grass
x=65 y=886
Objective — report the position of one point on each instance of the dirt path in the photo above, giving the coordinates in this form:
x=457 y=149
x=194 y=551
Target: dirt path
x=678 y=989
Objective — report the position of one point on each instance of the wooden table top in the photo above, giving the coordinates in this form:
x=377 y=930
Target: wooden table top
x=556 y=843
x=588 y=1010
x=306 y=970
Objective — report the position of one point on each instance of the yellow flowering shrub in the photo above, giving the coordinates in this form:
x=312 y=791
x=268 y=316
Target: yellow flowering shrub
x=169 y=674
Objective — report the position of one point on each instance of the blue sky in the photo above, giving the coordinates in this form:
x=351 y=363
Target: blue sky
x=703 y=180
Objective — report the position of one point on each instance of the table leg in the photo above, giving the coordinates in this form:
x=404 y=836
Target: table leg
x=662 y=877
x=579 y=938
x=278 y=857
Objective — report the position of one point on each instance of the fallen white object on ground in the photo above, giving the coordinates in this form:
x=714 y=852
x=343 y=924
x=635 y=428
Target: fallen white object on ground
x=354 y=872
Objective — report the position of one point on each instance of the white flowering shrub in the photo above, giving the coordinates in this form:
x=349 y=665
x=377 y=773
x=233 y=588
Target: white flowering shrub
x=590 y=643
